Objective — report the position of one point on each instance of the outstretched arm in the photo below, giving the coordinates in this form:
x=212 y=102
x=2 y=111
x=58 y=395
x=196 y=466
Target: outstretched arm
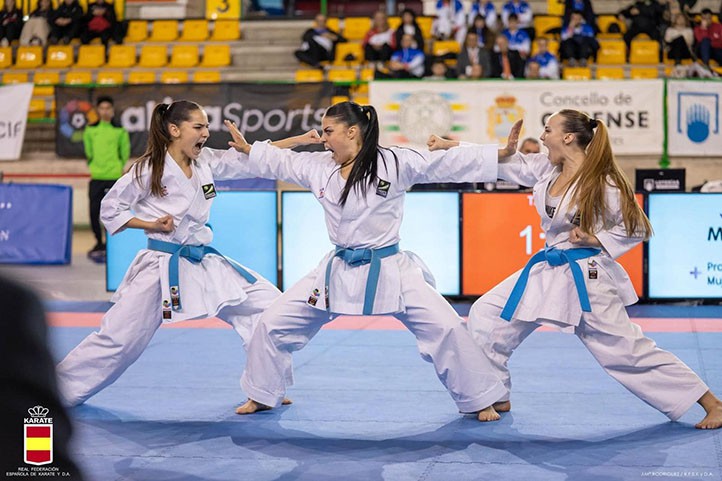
x=437 y=143
x=241 y=145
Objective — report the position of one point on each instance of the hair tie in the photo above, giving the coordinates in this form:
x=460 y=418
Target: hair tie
x=593 y=123
x=163 y=109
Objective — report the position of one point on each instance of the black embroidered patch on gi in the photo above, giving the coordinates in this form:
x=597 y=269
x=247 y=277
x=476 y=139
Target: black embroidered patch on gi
x=313 y=298
x=592 y=273
x=577 y=220
x=167 y=314
x=209 y=191
x=383 y=188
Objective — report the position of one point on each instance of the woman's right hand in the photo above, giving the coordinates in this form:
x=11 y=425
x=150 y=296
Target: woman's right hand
x=163 y=224
x=239 y=141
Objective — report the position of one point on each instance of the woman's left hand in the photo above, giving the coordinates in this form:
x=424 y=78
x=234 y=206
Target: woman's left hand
x=581 y=238
x=239 y=141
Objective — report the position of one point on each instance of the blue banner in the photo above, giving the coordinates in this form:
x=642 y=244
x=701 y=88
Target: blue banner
x=36 y=224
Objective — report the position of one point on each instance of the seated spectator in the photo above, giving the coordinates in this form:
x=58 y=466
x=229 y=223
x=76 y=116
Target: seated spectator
x=450 y=21
x=66 y=22
x=678 y=39
x=484 y=34
x=486 y=11
x=378 y=42
x=584 y=6
x=319 y=43
x=11 y=23
x=439 y=71
x=523 y=12
x=530 y=145
x=518 y=39
x=578 y=41
x=548 y=64
x=532 y=71
x=409 y=26
x=472 y=54
x=708 y=37
x=506 y=63
x=408 y=61
x=37 y=28
x=101 y=22
x=643 y=16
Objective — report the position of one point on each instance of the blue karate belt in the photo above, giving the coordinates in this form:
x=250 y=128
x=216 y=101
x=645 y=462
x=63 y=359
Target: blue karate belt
x=359 y=257
x=194 y=254
x=555 y=257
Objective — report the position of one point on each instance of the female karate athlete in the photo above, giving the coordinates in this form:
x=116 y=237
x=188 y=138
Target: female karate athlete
x=590 y=218
x=361 y=187
x=168 y=193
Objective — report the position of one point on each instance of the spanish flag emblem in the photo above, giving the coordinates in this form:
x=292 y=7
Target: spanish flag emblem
x=38 y=444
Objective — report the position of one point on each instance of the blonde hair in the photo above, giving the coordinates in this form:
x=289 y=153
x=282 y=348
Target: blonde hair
x=599 y=170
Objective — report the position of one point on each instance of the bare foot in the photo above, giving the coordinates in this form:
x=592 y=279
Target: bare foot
x=250 y=407
x=502 y=406
x=488 y=414
x=286 y=401
x=713 y=406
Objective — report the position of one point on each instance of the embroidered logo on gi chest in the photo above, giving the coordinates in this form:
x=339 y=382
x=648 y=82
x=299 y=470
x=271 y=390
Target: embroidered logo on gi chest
x=592 y=266
x=313 y=298
x=383 y=188
x=209 y=191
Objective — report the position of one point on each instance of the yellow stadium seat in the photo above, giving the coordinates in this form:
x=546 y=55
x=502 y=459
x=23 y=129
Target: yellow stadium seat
x=394 y=22
x=121 y=56
x=333 y=23
x=425 y=26
x=577 y=73
x=342 y=75
x=36 y=109
x=553 y=46
x=45 y=82
x=91 y=56
x=604 y=21
x=29 y=57
x=184 y=56
x=346 y=49
x=15 y=78
x=137 y=31
x=206 y=76
x=6 y=57
x=338 y=99
x=443 y=47
x=109 y=77
x=544 y=23
x=164 y=31
x=59 y=56
x=153 y=56
x=174 y=76
x=555 y=7
x=643 y=72
x=611 y=52
x=216 y=55
x=644 y=52
x=355 y=28
x=226 y=30
x=75 y=77
x=141 y=77
x=610 y=73
x=367 y=74
x=194 y=30
x=309 y=75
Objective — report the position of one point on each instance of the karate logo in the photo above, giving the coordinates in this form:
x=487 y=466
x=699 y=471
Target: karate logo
x=383 y=188
x=38 y=437
x=209 y=191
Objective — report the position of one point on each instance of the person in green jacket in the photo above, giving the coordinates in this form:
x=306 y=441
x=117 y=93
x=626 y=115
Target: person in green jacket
x=107 y=148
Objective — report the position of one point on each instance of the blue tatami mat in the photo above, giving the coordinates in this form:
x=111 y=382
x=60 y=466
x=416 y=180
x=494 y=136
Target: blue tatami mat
x=366 y=407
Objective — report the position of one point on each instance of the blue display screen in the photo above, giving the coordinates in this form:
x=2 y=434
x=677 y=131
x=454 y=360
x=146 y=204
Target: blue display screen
x=430 y=229
x=244 y=228
x=685 y=253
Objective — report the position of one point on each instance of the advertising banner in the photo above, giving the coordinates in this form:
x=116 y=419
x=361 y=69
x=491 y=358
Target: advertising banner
x=14 y=105
x=261 y=111
x=483 y=112
x=694 y=117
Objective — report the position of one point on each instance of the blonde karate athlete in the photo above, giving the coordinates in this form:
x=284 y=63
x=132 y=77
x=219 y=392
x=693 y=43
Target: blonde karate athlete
x=590 y=217
x=168 y=193
x=361 y=187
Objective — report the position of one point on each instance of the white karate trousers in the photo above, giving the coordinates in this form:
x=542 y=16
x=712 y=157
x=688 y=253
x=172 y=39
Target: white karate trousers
x=442 y=338
x=127 y=328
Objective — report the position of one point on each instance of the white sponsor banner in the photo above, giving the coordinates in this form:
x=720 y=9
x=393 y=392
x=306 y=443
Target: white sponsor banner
x=693 y=126
x=14 y=104
x=484 y=111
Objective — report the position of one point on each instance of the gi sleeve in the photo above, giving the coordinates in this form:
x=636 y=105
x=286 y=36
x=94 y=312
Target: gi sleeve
x=270 y=162
x=115 y=209
x=227 y=164
x=525 y=170
x=465 y=163
x=614 y=237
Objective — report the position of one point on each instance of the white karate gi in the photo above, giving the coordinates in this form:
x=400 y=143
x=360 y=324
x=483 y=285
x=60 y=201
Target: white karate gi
x=142 y=301
x=655 y=376
x=370 y=221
